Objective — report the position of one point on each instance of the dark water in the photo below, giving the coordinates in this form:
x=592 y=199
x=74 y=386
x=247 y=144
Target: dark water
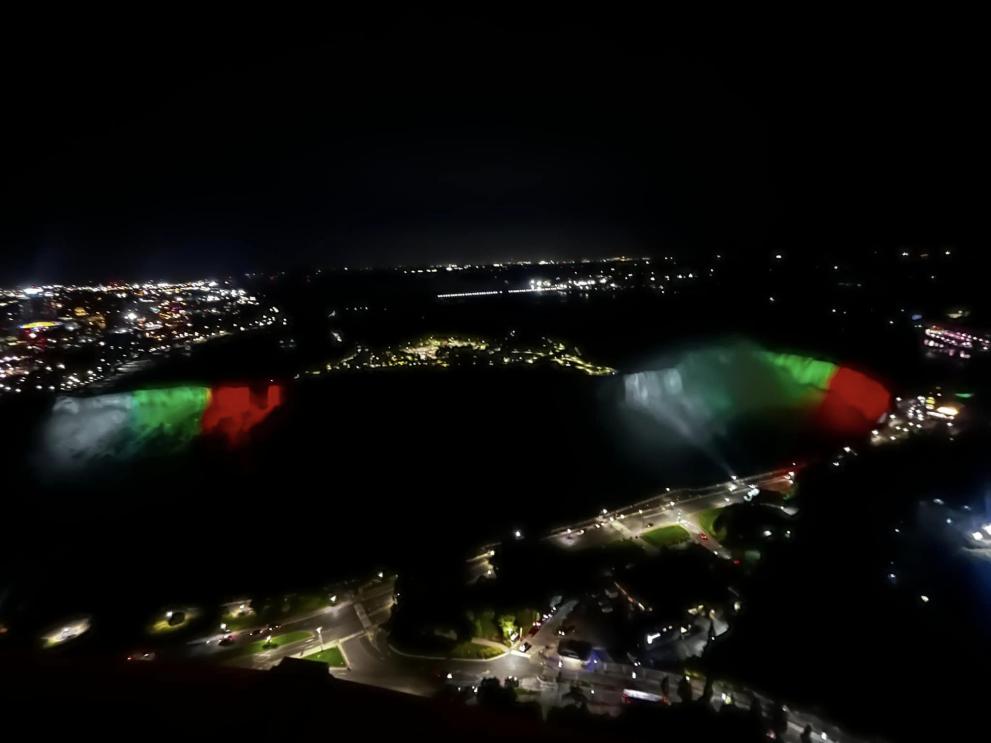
x=354 y=472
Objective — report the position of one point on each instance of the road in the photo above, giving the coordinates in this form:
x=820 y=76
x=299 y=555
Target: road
x=337 y=623
x=355 y=623
x=680 y=507
x=543 y=673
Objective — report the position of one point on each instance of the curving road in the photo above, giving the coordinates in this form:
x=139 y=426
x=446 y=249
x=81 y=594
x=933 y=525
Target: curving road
x=355 y=624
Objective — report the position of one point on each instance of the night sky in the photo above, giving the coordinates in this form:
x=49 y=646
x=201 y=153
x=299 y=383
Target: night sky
x=168 y=148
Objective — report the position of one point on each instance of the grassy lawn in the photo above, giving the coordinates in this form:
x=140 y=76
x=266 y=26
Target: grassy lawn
x=241 y=620
x=621 y=551
x=161 y=625
x=331 y=656
x=260 y=646
x=707 y=520
x=474 y=651
x=307 y=602
x=276 y=611
x=666 y=536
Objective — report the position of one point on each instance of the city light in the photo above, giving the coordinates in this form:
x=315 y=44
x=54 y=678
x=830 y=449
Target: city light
x=63 y=324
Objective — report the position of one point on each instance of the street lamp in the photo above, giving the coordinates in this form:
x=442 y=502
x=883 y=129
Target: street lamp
x=320 y=635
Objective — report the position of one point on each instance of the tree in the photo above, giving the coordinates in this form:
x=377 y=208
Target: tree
x=493 y=694
x=577 y=695
x=685 y=689
x=507 y=624
x=756 y=711
x=707 y=692
x=779 y=720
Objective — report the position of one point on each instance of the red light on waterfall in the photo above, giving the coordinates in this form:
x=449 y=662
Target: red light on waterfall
x=853 y=402
x=235 y=410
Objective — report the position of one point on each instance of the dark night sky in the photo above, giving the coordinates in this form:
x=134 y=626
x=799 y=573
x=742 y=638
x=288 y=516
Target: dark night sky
x=154 y=147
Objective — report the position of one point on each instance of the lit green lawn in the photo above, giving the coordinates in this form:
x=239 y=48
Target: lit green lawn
x=260 y=646
x=331 y=656
x=241 y=620
x=707 y=520
x=161 y=625
x=276 y=612
x=474 y=651
x=666 y=536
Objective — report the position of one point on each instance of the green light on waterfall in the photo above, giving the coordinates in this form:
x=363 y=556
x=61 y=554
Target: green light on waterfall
x=170 y=416
x=801 y=369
